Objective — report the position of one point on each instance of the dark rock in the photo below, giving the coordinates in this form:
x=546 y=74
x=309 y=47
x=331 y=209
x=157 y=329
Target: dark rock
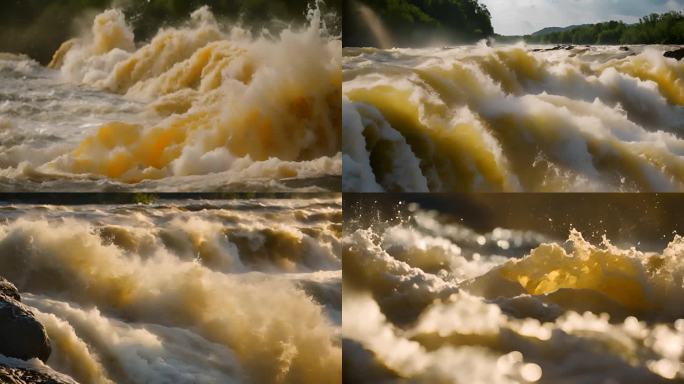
x=21 y=335
x=624 y=49
x=22 y=338
x=8 y=289
x=677 y=54
x=25 y=375
x=556 y=48
x=359 y=365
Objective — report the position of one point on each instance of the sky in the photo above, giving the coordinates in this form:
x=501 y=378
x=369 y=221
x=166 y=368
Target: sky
x=520 y=17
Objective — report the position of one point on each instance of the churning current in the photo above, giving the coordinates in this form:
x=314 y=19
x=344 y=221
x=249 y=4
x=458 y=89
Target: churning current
x=222 y=291
x=513 y=118
x=429 y=300
x=202 y=106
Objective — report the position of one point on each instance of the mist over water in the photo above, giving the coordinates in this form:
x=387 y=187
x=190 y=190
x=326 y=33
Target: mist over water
x=239 y=291
x=373 y=22
x=201 y=106
x=427 y=299
x=509 y=118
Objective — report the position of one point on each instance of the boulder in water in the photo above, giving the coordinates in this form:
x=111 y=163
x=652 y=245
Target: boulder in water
x=556 y=48
x=677 y=54
x=21 y=335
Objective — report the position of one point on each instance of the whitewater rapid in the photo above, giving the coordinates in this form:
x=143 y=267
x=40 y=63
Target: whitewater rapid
x=428 y=300
x=202 y=106
x=513 y=118
x=220 y=291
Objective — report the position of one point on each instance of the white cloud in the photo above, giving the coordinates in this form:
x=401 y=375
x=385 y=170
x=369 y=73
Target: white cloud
x=515 y=17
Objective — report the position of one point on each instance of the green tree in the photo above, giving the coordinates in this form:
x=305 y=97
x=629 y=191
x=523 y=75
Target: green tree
x=38 y=27
x=666 y=28
x=415 y=22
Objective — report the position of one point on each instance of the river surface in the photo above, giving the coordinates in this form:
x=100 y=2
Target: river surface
x=513 y=118
x=186 y=291
x=202 y=106
x=428 y=299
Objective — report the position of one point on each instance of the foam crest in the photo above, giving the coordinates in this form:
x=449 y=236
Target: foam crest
x=231 y=96
x=153 y=354
x=137 y=293
x=428 y=300
x=209 y=98
x=641 y=284
x=592 y=118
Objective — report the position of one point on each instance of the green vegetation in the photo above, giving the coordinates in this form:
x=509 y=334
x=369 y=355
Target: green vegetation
x=667 y=28
x=417 y=22
x=38 y=27
x=145 y=198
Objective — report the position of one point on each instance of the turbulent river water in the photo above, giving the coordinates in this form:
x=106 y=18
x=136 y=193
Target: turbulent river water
x=513 y=118
x=221 y=291
x=429 y=300
x=201 y=106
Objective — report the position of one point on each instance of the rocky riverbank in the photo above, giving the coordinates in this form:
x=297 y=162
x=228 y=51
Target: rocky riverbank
x=24 y=343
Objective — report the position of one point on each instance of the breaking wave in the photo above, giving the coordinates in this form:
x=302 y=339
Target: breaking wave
x=513 y=118
x=196 y=100
x=435 y=302
x=183 y=292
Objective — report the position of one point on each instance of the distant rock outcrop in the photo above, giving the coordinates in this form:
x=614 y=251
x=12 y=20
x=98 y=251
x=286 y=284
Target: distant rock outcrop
x=677 y=54
x=556 y=48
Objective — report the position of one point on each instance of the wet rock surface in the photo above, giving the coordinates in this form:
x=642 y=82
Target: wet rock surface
x=16 y=375
x=21 y=335
x=8 y=289
x=677 y=54
x=22 y=339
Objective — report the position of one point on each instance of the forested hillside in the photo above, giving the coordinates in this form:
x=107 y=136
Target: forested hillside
x=38 y=27
x=417 y=22
x=667 y=28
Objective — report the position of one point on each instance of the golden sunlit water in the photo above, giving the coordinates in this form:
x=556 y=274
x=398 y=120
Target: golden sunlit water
x=513 y=119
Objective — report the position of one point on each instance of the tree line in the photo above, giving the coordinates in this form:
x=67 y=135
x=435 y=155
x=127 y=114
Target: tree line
x=416 y=22
x=38 y=27
x=666 y=28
